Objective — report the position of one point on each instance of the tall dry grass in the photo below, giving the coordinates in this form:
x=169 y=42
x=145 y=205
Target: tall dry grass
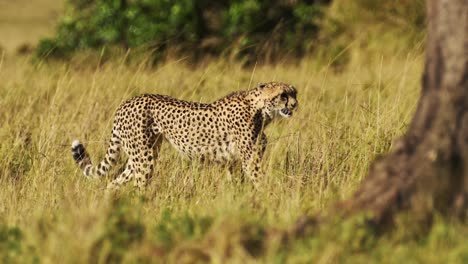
x=345 y=119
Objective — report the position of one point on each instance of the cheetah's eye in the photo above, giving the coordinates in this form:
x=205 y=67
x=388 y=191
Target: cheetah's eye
x=284 y=96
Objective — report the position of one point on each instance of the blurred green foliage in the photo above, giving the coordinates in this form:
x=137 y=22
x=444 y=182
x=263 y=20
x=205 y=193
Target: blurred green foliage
x=172 y=229
x=123 y=229
x=252 y=27
x=252 y=30
x=10 y=243
x=13 y=249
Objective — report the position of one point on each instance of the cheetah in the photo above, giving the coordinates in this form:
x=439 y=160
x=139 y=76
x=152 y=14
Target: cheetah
x=229 y=129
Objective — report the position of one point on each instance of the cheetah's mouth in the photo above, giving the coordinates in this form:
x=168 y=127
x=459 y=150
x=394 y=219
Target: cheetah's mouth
x=285 y=112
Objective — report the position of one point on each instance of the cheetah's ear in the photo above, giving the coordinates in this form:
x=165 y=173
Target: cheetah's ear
x=261 y=85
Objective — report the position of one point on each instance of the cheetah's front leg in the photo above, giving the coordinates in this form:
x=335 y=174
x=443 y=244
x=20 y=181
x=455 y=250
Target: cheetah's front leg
x=252 y=159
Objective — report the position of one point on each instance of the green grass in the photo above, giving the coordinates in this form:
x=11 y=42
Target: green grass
x=50 y=213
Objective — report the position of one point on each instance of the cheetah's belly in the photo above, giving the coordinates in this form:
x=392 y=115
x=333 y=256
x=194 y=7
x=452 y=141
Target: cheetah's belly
x=204 y=146
x=200 y=139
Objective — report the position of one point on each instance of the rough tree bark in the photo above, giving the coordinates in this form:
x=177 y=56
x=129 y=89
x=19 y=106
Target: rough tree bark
x=427 y=168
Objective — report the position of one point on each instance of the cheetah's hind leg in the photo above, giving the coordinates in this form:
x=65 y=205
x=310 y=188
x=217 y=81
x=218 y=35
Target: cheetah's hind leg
x=145 y=167
x=140 y=163
x=157 y=147
x=146 y=151
x=125 y=176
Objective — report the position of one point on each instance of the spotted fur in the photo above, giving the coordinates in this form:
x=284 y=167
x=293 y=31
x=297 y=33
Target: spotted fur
x=228 y=129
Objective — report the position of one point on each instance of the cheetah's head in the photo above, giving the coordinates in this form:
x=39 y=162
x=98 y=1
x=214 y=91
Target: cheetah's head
x=275 y=98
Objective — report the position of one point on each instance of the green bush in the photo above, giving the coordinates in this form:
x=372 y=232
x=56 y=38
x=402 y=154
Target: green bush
x=10 y=243
x=13 y=248
x=175 y=228
x=123 y=229
x=245 y=29
x=254 y=28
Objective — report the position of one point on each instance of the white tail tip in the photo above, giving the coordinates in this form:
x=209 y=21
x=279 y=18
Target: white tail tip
x=75 y=143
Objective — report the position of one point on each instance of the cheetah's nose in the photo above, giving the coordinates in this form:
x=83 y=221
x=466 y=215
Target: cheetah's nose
x=294 y=104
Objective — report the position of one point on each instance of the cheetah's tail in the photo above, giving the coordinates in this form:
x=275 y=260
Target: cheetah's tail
x=82 y=158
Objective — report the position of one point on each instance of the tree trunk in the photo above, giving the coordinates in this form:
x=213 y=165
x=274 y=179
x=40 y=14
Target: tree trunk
x=427 y=168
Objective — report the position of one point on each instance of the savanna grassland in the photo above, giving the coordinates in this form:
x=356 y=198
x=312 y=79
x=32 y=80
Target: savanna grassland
x=50 y=213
